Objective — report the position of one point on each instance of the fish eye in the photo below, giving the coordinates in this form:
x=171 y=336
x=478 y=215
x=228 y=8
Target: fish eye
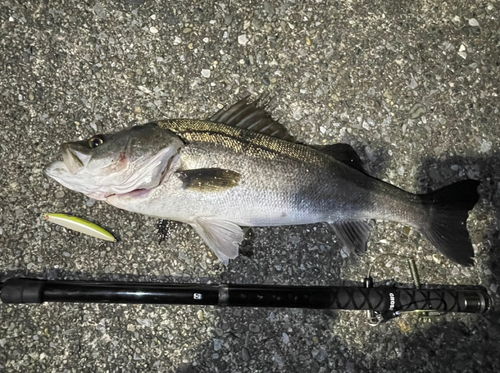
x=95 y=141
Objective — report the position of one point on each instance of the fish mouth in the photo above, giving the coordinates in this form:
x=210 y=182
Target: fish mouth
x=74 y=159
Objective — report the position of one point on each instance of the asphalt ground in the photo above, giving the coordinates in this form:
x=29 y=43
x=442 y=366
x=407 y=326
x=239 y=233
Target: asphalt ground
x=413 y=86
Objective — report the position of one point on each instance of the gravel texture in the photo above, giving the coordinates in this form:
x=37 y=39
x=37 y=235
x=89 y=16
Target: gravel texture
x=413 y=86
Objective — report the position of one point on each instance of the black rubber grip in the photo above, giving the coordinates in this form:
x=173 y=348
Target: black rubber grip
x=22 y=290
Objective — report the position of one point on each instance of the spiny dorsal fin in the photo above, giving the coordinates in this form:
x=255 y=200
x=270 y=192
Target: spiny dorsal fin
x=209 y=179
x=250 y=116
x=344 y=153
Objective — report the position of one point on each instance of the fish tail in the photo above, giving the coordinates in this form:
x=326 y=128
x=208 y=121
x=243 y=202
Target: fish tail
x=446 y=223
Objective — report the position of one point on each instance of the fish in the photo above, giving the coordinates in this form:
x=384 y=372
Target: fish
x=241 y=168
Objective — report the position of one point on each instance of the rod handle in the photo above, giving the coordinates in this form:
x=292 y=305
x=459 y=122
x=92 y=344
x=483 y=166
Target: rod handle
x=22 y=290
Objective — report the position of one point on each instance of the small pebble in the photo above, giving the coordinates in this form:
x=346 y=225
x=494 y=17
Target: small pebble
x=417 y=111
x=218 y=344
x=268 y=8
x=473 y=22
x=320 y=354
x=201 y=315
x=153 y=30
x=485 y=146
x=242 y=39
x=254 y=328
x=245 y=354
x=462 y=51
x=144 y=322
x=350 y=367
x=205 y=73
x=278 y=360
x=218 y=331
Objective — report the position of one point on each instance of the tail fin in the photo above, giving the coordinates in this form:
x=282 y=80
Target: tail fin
x=446 y=227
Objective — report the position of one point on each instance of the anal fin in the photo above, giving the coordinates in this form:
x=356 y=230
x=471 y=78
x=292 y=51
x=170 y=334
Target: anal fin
x=223 y=237
x=354 y=234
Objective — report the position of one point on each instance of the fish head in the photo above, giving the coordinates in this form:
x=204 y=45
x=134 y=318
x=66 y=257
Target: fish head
x=137 y=158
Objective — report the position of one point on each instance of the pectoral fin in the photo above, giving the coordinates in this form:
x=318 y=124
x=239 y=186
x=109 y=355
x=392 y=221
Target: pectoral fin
x=209 y=179
x=353 y=234
x=222 y=236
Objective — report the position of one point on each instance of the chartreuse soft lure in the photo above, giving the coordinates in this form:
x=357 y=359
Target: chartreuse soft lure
x=80 y=225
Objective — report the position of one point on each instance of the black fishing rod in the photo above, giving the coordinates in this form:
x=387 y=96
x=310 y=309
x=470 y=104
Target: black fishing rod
x=385 y=302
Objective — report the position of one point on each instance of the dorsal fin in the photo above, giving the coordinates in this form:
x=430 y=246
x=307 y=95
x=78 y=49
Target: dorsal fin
x=250 y=116
x=344 y=153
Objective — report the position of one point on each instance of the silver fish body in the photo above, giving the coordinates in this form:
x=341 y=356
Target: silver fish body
x=218 y=177
x=281 y=183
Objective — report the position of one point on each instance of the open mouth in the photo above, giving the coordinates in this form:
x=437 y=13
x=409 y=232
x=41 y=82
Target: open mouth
x=73 y=159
